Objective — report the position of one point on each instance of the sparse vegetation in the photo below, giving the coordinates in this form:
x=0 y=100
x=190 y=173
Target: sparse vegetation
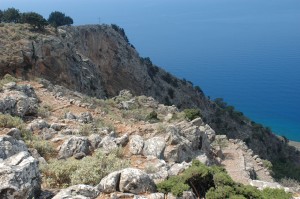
x=152 y=117
x=6 y=79
x=89 y=170
x=86 y=129
x=44 y=148
x=8 y=121
x=267 y=164
x=120 y=31
x=192 y=114
x=44 y=111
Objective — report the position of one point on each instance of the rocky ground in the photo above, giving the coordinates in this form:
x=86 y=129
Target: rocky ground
x=66 y=129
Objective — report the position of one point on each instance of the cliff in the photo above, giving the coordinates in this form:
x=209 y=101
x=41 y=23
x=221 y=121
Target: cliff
x=98 y=60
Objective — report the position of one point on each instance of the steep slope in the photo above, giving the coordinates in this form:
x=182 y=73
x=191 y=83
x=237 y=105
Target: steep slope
x=99 y=61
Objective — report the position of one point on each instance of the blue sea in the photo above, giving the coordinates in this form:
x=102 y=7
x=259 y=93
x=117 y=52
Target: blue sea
x=244 y=51
x=247 y=52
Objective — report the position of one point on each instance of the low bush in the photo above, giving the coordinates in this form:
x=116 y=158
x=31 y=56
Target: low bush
x=288 y=182
x=86 y=129
x=191 y=114
x=6 y=79
x=267 y=164
x=214 y=183
x=152 y=117
x=44 y=148
x=89 y=170
x=8 y=121
x=44 y=111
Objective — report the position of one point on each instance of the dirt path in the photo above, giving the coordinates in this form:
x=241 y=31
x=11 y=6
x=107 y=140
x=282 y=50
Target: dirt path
x=239 y=163
x=234 y=162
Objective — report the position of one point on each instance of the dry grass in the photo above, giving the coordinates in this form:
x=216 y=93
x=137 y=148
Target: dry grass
x=13 y=38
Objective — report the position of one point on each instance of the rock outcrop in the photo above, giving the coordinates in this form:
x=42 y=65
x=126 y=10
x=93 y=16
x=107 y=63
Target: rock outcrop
x=79 y=146
x=19 y=173
x=77 y=191
x=18 y=100
x=128 y=180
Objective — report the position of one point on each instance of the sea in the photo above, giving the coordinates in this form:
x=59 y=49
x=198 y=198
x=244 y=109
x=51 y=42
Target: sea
x=244 y=51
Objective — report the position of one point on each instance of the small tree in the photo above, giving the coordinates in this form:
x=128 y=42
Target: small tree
x=68 y=20
x=192 y=114
x=36 y=20
x=1 y=15
x=59 y=19
x=11 y=15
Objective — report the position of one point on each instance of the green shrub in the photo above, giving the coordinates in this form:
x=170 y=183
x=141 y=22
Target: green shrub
x=288 y=182
x=286 y=169
x=86 y=129
x=89 y=170
x=220 y=192
x=152 y=117
x=198 y=89
x=214 y=183
x=44 y=111
x=44 y=148
x=275 y=194
x=198 y=177
x=222 y=179
x=6 y=79
x=267 y=164
x=8 y=121
x=191 y=114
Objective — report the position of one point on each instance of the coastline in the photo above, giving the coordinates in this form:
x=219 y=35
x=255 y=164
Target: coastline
x=295 y=144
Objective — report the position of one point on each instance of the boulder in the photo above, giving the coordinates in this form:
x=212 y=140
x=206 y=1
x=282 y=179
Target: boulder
x=80 y=191
x=154 y=147
x=156 y=196
x=19 y=177
x=136 y=144
x=135 y=181
x=38 y=124
x=74 y=145
x=185 y=195
x=57 y=126
x=85 y=117
x=172 y=135
x=108 y=144
x=178 y=153
x=70 y=116
x=18 y=100
x=178 y=168
x=9 y=146
x=48 y=133
x=128 y=180
x=15 y=133
x=122 y=141
x=197 y=122
x=262 y=185
x=35 y=154
x=110 y=183
x=95 y=140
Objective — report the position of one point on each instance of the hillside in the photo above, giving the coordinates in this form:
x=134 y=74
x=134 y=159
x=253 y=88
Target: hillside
x=57 y=143
x=98 y=60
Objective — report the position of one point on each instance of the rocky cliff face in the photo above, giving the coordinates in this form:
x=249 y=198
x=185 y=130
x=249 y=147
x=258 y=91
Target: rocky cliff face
x=99 y=61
